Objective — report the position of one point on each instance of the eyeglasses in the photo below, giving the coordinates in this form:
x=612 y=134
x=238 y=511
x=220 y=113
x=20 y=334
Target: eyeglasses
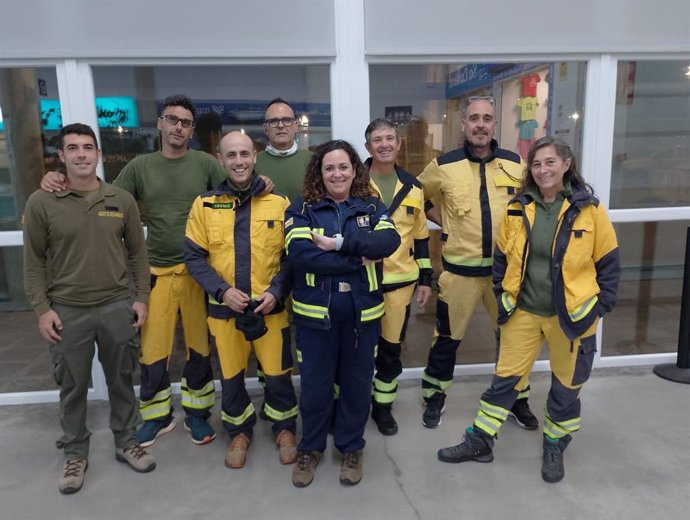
x=173 y=120
x=490 y=99
x=274 y=122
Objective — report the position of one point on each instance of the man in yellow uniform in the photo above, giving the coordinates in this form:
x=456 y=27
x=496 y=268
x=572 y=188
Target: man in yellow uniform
x=408 y=267
x=234 y=249
x=472 y=186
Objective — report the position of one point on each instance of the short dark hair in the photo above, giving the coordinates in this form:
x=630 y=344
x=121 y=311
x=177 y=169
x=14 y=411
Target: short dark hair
x=276 y=101
x=314 y=190
x=78 y=129
x=179 y=100
x=379 y=123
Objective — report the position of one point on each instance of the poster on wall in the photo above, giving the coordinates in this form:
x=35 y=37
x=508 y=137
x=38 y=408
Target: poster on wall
x=399 y=115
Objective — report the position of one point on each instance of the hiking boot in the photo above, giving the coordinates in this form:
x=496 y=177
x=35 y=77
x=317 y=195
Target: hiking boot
x=351 y=468
x=72 y=478
x=383 y=417
x=137 y=457
x=201 y=431
x=523 y=416
x=151 y=430
x=287 y=447
x=236 y=456
x=435 y=406
x=303 y=471
x=473 y=447
x=552 y=469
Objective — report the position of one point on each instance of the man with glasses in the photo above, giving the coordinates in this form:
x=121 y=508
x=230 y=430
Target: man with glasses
x=472 y=186
x=282 y=161
x=165 y=183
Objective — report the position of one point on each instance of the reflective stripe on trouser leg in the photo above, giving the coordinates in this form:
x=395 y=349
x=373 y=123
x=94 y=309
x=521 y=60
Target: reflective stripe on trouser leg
x=233 y=352
x=237 y=410
x=457 y=299
x=275 y=355
x=495 y=404
x=388 y=368
x=438 y=374
x=198 y=390
x=155 y=396
x=388 y=362
x=571 y=364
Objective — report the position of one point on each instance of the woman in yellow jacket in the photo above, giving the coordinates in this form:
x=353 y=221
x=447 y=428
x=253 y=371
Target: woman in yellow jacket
x=556 y=271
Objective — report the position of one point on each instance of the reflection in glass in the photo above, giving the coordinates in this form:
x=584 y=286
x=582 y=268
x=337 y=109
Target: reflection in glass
x=425 y=102
x=651 y=144
x=226 y=98
x=29 y=122
x=646 y=317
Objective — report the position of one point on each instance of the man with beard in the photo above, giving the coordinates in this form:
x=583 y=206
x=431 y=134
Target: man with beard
x=472 y=186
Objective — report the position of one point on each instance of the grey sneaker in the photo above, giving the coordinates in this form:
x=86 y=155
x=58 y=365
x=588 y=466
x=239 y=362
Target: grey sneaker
x=351 y=468
x=305 y=467
x=72 y=478
x=473 y=447
x=137 y=457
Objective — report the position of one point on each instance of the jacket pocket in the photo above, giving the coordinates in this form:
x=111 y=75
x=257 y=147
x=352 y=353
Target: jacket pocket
x=585 y=359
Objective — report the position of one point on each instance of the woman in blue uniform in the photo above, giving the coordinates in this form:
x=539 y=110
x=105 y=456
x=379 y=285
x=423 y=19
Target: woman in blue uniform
x=336 y=235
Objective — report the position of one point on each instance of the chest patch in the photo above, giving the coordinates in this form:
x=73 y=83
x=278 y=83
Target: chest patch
x=363 y=221
x=111 y=214
x=219 y=205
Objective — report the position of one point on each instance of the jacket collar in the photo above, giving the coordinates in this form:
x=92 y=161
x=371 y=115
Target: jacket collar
x=256 y=187
x=471 y=157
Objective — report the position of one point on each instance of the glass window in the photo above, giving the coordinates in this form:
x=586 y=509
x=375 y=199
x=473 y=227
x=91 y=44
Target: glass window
x=425 y=101
x=29 y=122
x=26 y=365
x=646 y=318
x=129 y=99
x=651 y=143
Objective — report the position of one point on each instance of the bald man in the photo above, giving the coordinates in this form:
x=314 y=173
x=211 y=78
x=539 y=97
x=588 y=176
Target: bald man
x=234 y=250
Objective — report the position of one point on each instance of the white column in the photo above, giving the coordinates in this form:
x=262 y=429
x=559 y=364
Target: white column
x=78 y=97
x=350 y=76
x=597 y=131
x=78 y=105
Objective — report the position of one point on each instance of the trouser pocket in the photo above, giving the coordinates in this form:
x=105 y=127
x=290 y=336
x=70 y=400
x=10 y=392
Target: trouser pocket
x=585 y=359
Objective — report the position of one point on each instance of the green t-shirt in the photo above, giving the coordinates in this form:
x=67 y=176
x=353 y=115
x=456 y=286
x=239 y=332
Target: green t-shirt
x=536 y=294
x=287 y=173
x=386 y=185
x=165 y=190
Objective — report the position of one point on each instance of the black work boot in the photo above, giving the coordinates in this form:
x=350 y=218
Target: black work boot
x=435 y=406
x=475 y=446
x=383 y=417
x=523 y=416
x=552 y=468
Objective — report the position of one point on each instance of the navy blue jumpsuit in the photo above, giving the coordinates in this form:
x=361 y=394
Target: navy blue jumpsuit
x=337 y=307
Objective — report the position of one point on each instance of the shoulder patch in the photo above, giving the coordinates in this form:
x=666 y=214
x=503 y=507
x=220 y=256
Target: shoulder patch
x=452 y=156
x=507 y=154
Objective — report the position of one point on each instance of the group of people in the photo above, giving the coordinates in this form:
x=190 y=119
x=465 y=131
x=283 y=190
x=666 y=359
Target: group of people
x=244 y=244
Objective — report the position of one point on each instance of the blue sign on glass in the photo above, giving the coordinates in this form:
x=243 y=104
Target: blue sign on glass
x=117 y=111
x=112 y=112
